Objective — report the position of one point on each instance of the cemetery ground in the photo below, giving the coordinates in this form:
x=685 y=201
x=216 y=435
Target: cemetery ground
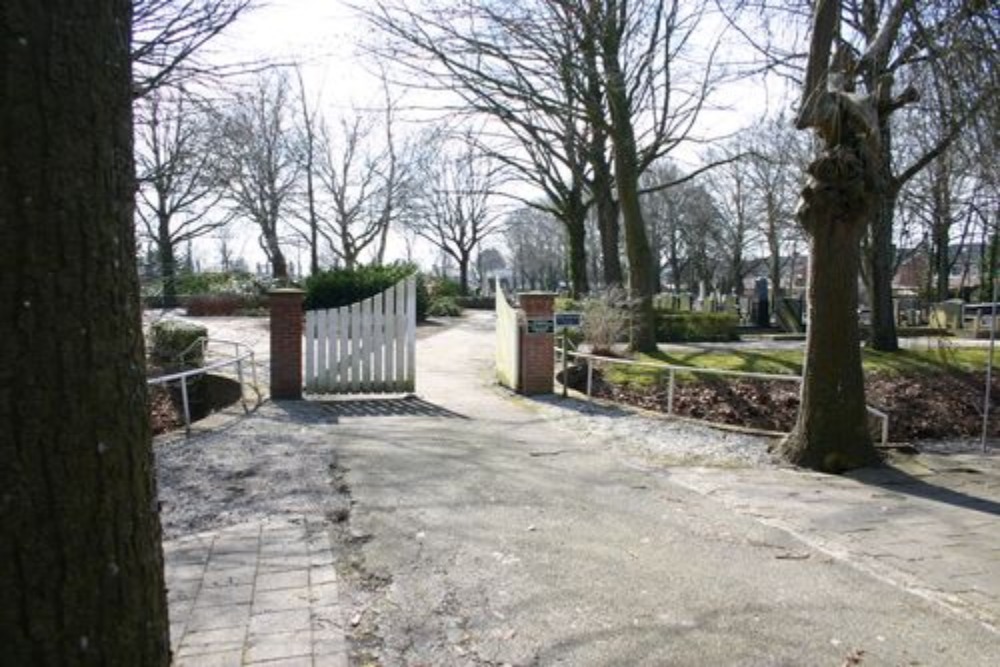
x=467 y=526
x=933 y=390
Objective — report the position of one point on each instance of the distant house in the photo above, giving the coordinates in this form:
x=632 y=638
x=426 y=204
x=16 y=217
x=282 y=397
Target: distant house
x=966 y=264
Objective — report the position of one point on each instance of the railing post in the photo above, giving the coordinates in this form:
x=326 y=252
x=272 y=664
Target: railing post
x=565 y=363
x=239 y=376
x=670 y=394
x=187 y=407
x=590 y=380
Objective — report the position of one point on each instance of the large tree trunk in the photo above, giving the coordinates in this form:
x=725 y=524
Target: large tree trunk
x=574 y=219
x=881 y=272
x=168 y=263
x=640 y=259
x=607 y=216
x=831 y=432
x=81 y=568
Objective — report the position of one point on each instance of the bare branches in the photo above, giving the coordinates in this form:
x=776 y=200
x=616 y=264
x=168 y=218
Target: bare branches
x=170 y=36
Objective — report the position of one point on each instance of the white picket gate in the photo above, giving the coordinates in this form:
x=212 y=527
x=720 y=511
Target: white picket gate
x=365 y=348
x=507 y=361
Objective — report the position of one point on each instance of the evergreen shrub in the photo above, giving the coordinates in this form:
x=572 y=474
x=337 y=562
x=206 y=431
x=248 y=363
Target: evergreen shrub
x=342 y=287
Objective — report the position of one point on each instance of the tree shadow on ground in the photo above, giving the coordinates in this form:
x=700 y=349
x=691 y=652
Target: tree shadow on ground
x=399 y=406
x=897 y=481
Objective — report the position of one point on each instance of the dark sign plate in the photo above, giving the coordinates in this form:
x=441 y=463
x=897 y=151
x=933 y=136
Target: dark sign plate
x=544 y=325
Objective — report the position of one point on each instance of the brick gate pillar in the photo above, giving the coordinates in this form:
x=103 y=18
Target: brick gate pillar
x=286 y=342
x=537 y=342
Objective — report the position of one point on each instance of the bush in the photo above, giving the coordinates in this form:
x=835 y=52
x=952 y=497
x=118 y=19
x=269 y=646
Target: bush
x=233 y=282
x=443 y=287
x=692 y=327
x=444 y=306
x=565 y=304
x=605 y=320
x=170 y=338
x=342 y=287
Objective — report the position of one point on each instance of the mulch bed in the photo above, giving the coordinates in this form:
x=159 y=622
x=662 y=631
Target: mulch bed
x=928 y=407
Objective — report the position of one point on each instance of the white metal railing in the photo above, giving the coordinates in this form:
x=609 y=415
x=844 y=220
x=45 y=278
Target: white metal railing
x=672 y=371
x=236 y=360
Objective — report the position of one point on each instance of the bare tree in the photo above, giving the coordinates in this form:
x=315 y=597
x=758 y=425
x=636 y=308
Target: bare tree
x=309 y=140
x=170 y=38
x=81 y=566
x=733 y=194
x=537 y=249
x=457 y=211
x=260 y=161
x=775 y=161
x=514 y=64
x=177 y=174
x=367 y=181
x=899 y=51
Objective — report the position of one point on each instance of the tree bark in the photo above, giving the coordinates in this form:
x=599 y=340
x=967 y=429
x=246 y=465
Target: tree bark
x=831 y=432
x=884 y=337
x=574 y=219
x=640 y=259
x=168 y=263
x=81 y=567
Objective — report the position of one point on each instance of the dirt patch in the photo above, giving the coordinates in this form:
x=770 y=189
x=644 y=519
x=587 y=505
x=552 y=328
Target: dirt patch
x=928 y=407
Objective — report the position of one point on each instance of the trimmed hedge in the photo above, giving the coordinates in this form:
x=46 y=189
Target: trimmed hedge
x=201 y=305
x=168 y=338
x=696 y=327
x=342 y=287
x=477 y=302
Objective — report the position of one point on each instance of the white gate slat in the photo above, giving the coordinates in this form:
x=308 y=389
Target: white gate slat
x=319 y=335
x=411 y=332
x=390 y=339
x=310 y=361
x=378 y=341
x=356 y=347
x=344 y=359
x=399 y=383
x=366 y=345
x=330 y=346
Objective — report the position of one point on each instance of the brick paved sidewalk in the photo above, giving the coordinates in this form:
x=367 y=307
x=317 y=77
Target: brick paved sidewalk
x=261 y=593
x=930 y=524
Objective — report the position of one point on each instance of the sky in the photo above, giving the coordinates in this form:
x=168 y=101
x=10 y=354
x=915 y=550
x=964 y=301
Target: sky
x=324 y=35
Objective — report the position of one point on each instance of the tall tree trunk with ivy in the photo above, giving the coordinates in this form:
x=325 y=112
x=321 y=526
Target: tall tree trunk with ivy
x=81 y=567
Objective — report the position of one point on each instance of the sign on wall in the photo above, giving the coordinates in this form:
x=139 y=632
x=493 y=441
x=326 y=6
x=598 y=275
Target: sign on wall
x=568 y=320
x=541 y=325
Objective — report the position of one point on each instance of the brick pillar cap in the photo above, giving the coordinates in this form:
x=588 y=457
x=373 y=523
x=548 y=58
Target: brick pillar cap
x=285 y=291
x=552 y=294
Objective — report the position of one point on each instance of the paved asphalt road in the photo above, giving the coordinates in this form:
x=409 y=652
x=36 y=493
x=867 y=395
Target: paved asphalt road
x=482 y=534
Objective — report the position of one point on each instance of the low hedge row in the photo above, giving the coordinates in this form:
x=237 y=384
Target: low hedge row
x=202 y=305
x=476 y=302
x=691 y=327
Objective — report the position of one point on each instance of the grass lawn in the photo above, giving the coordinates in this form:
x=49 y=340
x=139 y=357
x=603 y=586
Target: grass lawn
x=906 y=363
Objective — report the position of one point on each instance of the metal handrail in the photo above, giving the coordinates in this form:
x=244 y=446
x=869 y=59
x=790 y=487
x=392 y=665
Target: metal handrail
x=236 y=360
x=673 y=369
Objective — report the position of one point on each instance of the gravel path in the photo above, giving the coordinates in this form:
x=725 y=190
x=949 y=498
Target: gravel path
x=272 y=464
